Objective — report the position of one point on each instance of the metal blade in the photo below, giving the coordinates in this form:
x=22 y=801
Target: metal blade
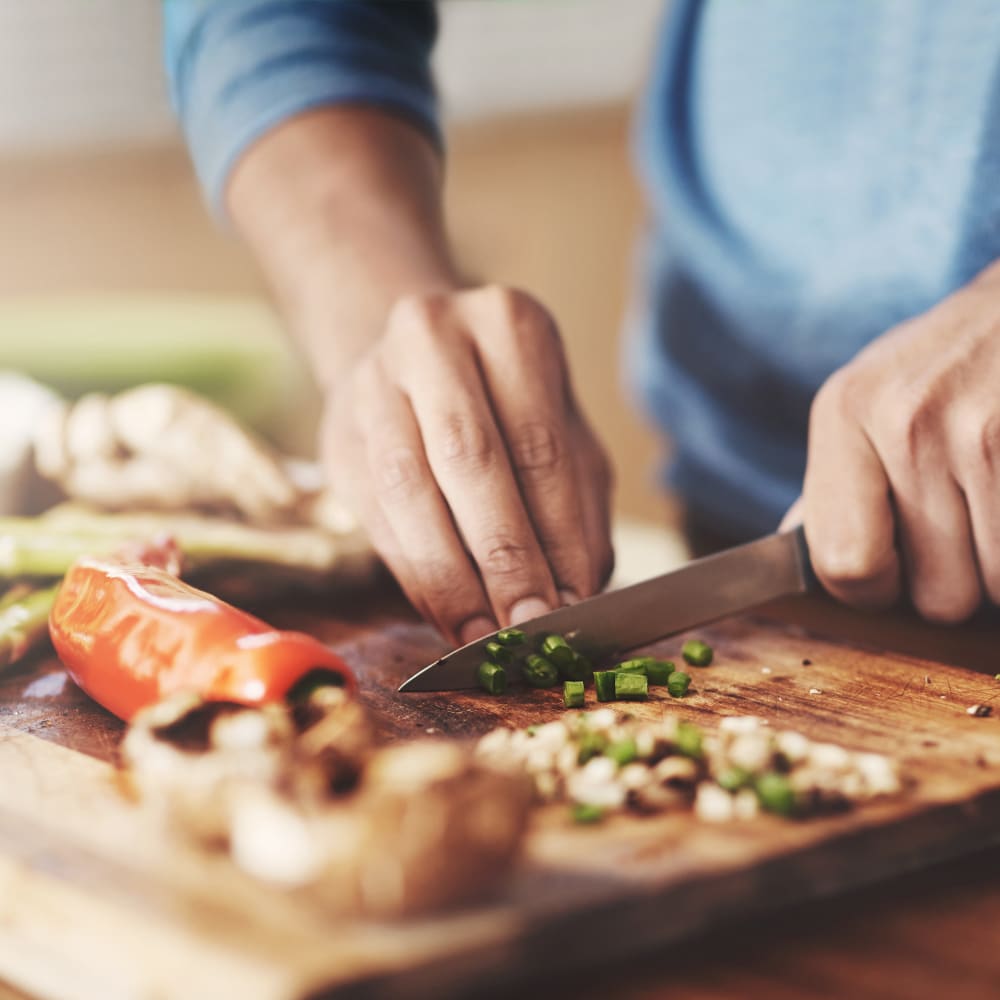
x=702 y=591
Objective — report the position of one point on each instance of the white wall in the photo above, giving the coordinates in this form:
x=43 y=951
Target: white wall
x=86 y=72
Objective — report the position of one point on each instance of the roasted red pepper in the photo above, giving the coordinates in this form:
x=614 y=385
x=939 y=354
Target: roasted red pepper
x=130 y=633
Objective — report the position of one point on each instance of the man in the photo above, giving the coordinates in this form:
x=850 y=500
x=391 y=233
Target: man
x=823 y=177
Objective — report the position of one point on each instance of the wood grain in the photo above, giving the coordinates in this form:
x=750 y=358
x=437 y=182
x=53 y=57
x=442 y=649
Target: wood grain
x=95 y=901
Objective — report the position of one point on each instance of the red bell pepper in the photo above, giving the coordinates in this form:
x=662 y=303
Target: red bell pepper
x=130 y=633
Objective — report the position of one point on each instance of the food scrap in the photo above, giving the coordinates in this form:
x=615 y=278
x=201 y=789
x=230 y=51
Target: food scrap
x=610 y=762
x=979 y=711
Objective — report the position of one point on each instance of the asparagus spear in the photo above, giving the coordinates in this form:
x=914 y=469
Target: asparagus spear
x=47 y=546
x=24 y=622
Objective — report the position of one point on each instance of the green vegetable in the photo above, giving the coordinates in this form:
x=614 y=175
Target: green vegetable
x=775 y=793
x=584 y=813
x=539 y=672
x=573 y=694
x=510 y=637
x=732 y=779
x=697 y=653
x=590 y=744
x=492 y=677
x=659 y=671
x=604 y=681
x=631 y=687
x=638 y=665
x=623 y=752
x=24 y=622
x=678 y=683
x=570 y=664
x=499 y=653
x=689 y=740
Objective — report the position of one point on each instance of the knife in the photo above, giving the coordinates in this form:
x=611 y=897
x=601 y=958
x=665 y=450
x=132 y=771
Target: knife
x=699 y=592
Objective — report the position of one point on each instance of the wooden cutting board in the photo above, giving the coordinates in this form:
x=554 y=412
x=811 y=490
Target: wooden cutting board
x=94 y=902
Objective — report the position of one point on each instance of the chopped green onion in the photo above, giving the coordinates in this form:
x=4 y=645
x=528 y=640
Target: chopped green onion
x=732 y=779
x=531 y=730
x=510 y=637
x=689 y=740
x=623 y=752
x=996 y=677
x=697 y=653
x=590 y=745
x=499 y=653
x=604 y=681
x=638 y=665
x=539 y=672
x=678 y=683
x=631 y=687
x=659 y=671
x=775 y=793
x=573 y=694
x=492 y=677
x=580 y=669
x=585 y=813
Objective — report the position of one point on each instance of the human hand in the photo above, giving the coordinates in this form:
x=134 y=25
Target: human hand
x=902 y=483
x=458 y=442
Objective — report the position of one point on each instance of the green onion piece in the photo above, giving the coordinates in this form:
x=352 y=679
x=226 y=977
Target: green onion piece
x=558 y=651
x=500 y=653
x=492 y=677
x=775 y=793
x=531 y=730
x=510 y=637
x=638 y=665
x=584 y=813
x=996 y=677
x=678 y=683
x=631 y=687
x=697 y=653
x=659 y=671
x=573 y=694
x=623 y=752
x=578 y=669
x=539 y=672
x=590 y=745
x=604 y=681
x=732 y=779
x=689 y=740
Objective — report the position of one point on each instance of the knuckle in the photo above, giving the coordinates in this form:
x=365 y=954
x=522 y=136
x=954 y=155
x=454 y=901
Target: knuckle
x=537 y=447
x=978 y=440
x=504 y=557
x=398 y=474
x=524 y=318
x=838 y=396
x=466 y=442
x=418 y=312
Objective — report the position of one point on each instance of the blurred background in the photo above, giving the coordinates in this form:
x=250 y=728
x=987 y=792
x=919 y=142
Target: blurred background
x=111 y=270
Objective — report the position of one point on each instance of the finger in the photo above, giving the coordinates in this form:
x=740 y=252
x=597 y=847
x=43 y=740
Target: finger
x=425 y=551
x=942 y=576
x=849 y=520
x=595 y=479
x=524 y=369
x=468 y=459
x=977 y=443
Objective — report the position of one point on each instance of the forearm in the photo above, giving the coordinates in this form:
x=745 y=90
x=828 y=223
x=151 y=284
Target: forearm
x=342 y=208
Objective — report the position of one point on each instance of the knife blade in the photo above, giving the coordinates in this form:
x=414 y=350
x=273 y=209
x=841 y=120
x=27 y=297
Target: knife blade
x=701 y=591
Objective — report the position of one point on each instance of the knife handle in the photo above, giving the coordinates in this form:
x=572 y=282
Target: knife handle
x=810 y=582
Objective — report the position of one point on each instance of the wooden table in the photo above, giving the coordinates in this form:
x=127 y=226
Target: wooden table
x=930 y=934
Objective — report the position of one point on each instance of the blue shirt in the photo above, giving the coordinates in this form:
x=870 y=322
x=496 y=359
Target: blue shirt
x=819 y=171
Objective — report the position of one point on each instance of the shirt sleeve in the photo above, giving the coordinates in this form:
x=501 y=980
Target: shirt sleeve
x=238 y=68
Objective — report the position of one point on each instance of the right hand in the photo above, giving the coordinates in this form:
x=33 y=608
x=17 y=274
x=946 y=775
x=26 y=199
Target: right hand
x=460 y=446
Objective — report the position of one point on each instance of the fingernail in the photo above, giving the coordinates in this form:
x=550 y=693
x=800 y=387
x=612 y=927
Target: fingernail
x=530 y=607
x=475 y=629
x=569 y=597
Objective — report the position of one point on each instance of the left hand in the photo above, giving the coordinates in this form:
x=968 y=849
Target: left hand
x=902 y=483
